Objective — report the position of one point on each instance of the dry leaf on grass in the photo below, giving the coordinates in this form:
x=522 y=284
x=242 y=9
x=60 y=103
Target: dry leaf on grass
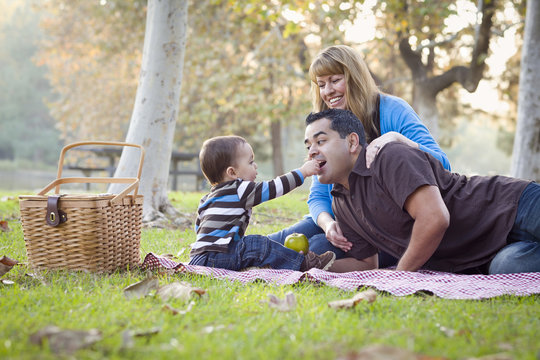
x=384 y=352
x=128 y=335
x=178 y=290
x=174 y=311
x=6 y=264
x=4 y=226
x=141 y=288
x=65 y=341
x=36 y=277
x=286 y=304
x=368 y=295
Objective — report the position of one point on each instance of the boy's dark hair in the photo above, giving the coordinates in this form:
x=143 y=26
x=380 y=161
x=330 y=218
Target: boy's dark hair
x=217 y=154
x=343 y=122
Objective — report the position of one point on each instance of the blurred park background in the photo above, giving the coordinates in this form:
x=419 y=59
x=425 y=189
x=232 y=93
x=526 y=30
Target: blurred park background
x=69 y=71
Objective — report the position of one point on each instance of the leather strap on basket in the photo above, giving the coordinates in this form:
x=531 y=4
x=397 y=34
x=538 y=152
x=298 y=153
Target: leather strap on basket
x=54 y=215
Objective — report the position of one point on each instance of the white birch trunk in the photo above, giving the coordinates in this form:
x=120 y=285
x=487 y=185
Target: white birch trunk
x=154 y=114
x=526 y=154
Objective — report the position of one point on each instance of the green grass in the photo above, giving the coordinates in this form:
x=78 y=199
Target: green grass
x=233 y=321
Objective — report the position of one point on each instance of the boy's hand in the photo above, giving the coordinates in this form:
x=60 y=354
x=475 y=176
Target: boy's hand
x=310 y=167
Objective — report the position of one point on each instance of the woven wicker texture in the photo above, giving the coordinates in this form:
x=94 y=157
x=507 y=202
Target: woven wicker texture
x=102 y=232
x=98 y=236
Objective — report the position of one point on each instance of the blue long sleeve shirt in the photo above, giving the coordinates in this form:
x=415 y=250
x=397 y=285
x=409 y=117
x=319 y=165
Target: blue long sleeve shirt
x=395 y=115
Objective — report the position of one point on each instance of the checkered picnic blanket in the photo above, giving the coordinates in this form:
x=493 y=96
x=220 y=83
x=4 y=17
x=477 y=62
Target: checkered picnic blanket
x=399 y=283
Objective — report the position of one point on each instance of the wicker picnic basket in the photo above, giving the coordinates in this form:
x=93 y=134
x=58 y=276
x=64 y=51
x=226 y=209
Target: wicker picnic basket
x=89 y=232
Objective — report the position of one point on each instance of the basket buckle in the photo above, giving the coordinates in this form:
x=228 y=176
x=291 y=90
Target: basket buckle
x=54 y=215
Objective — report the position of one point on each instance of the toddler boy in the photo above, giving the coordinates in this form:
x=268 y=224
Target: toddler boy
x=223 y=215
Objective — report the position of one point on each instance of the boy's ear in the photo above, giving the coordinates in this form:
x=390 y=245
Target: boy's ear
x=353 y=142
x=231 y=172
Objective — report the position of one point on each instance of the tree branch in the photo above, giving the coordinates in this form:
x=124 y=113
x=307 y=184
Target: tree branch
x=468 y=77
x=412 y=59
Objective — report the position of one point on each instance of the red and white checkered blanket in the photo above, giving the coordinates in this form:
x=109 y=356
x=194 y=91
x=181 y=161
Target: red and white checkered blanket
x=399 y=283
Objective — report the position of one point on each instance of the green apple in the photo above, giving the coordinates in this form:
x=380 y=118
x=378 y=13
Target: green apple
x=297 y=242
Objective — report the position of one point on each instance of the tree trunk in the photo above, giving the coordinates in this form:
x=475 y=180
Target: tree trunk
x=156 y=104
x=277 y=153
x=526 y=154
x=426 y=88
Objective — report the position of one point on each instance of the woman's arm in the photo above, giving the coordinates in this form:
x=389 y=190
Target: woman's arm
x=399 y=122
x=319 y=199
x=320 y=209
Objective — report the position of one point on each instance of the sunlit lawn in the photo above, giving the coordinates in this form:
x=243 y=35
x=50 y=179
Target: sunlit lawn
x=234 y=321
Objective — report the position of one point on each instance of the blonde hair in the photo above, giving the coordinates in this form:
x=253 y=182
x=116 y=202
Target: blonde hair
x=360 y=91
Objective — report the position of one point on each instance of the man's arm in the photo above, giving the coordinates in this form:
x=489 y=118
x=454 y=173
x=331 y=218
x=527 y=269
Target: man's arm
x=431 y=219
x=351 y=264
x=333 y=232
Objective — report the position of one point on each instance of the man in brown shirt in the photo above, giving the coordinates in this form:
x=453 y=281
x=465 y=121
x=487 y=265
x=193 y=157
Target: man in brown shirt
x=409 y=206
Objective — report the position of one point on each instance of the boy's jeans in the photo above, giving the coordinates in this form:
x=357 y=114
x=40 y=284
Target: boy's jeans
x=251 y=250
x=522 y=254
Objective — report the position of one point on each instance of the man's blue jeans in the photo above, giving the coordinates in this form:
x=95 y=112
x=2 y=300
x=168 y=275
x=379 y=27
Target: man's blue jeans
x=522 y=254
x=318 y=242
x=251 y=250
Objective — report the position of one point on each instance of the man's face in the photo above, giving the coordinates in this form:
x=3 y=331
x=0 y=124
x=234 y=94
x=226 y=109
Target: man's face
x=330 y=150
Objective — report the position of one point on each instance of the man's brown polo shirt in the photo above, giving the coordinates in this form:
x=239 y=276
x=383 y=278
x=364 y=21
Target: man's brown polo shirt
x=372 y=216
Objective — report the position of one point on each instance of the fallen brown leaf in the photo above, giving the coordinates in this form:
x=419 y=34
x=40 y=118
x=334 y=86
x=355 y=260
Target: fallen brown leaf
x=146 y=333
x=4 y=226
x=286 y=304
x=127 y=336
x=368 y=295
x=174 y=311
x=36 y=277
x=6 y=264
x=178 y=290
x=384 y=352
x=141 y=288
x=65 y=341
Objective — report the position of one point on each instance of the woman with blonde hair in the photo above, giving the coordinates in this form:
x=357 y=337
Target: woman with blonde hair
x=341 y=79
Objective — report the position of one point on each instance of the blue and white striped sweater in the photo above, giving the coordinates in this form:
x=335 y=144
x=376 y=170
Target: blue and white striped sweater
x=223 y=214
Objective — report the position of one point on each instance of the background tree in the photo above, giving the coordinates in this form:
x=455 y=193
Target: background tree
x=156 y=105
x=93 y=52
x=254 y=83
x=526 y=156
x=436 y=53
x=247 y=62
x=24 y=117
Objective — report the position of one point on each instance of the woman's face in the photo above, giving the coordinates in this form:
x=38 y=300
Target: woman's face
x=332 y=90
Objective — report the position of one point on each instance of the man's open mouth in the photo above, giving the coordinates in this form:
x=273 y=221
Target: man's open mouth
x=322 y=163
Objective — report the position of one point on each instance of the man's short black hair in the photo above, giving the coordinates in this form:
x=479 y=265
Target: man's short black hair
x=343 y=122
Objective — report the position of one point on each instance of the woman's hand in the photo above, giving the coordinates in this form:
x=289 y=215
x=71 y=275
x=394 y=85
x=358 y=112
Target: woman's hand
x=376 y=145
x=335 y=236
